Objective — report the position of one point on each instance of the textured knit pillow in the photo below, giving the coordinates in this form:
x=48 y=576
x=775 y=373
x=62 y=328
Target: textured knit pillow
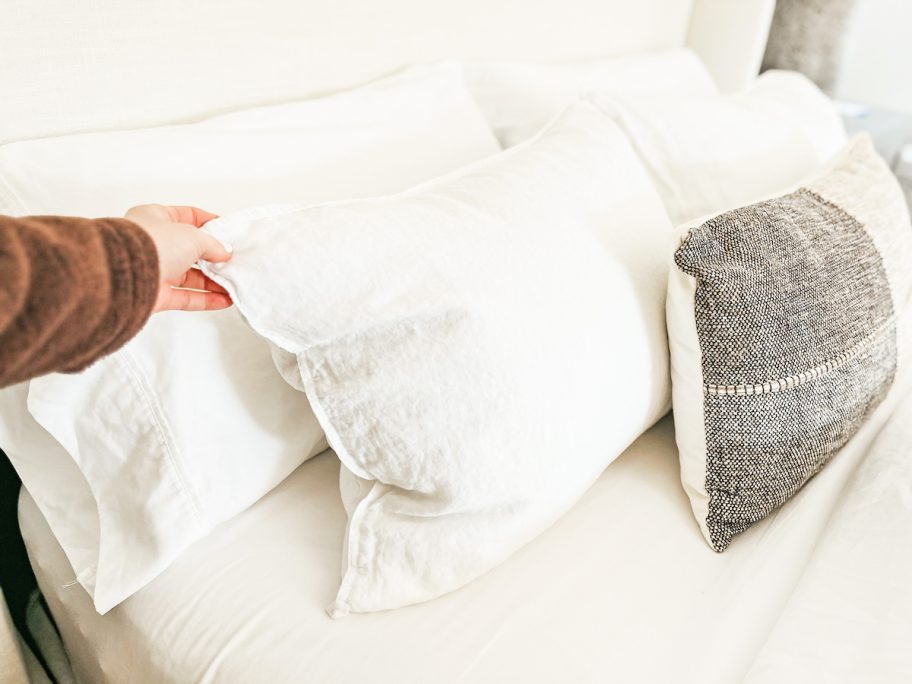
x=785 y=321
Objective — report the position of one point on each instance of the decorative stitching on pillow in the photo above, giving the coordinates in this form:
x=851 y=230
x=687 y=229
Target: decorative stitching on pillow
x=141 y=384
x=793 y=381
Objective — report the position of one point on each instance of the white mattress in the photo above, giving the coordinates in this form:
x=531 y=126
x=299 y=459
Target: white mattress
x=623 y=588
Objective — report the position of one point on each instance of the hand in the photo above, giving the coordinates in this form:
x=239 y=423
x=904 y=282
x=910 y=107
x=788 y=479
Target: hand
x=180 y=244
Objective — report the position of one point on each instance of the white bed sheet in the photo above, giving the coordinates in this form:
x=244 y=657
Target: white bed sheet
x=623 y=588
x=855 y=595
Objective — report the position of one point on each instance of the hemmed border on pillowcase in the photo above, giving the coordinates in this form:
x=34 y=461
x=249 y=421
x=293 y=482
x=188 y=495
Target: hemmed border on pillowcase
x=341 y=606
x=134 y=383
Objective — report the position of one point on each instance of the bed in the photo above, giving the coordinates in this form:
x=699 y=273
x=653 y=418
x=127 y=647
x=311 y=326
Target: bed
x=647 y=603
x=246 y=604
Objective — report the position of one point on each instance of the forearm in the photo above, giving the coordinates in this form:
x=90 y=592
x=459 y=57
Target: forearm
x=71 y=291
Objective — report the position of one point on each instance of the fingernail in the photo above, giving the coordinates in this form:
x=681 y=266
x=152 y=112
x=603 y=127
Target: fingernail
x=228 y=247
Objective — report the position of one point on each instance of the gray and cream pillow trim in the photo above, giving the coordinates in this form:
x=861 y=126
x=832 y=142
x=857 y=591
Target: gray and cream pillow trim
x=795 y=304
x=793 y=381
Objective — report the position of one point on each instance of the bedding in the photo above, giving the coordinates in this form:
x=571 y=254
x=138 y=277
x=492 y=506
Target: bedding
x=190 y=423
x=356 y=143
x=456 y=340
x=710 y=153
x=855 y=594
x=786 y=325
x=519 y=98
x=622 y=588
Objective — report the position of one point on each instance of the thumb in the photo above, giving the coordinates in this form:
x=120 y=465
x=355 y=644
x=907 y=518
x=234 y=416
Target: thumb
x=211 y=249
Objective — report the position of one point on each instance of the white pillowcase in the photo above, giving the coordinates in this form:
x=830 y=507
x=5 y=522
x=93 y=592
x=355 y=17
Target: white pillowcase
x=190 y=423
x=518 y=98
x=362 y=142
x=477 y=349
x=708 y=154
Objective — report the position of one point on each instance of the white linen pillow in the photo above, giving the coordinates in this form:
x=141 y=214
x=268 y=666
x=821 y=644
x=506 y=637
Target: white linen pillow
x=190 y=423
x=519 y=98
x=458 y=340
x=707 y=154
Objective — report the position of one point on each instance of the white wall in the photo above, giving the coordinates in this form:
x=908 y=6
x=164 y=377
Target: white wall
x=877 y=62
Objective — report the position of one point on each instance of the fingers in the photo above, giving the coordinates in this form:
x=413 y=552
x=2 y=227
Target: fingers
x=205 y=294
x=211 y=249
x=185 y=300
x=193 y=216
x=197 y=280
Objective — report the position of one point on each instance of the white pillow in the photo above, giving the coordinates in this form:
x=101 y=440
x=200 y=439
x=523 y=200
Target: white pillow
x=707 y=154
x=518 y=98
x=362 y=142
x=477 y=349
x=190 y=423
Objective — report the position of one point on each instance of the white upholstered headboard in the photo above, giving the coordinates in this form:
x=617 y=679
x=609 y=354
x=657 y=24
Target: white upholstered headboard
x=77 y=65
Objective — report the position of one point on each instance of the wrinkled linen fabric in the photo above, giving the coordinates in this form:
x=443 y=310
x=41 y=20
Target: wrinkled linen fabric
x=459 y=340
x=186 y=426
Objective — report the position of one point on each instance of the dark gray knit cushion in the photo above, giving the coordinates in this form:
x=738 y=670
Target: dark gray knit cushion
x=807 y=36
x=797 y=334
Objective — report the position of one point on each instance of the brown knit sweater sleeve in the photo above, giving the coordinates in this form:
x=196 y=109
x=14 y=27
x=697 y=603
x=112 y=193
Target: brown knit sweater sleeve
x=71 y=291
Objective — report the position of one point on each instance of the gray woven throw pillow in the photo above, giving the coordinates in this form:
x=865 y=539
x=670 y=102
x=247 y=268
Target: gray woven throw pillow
x=786 y=324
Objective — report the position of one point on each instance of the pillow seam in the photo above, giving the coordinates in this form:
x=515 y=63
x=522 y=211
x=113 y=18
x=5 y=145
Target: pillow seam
x=140 y=384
